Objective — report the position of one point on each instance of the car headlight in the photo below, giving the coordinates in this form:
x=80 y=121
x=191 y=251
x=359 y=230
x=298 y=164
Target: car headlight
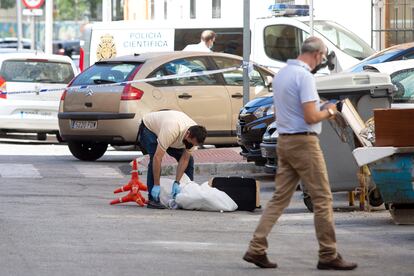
x=275 y=134
x=264 y=111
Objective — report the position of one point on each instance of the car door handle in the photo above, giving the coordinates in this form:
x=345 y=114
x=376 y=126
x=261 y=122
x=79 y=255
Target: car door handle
x=237 y=95
x=184 y=96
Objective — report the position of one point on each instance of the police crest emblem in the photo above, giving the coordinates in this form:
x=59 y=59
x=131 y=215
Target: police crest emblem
x=106 y=47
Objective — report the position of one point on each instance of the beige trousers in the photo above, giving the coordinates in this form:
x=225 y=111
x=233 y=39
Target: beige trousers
x=300 y=157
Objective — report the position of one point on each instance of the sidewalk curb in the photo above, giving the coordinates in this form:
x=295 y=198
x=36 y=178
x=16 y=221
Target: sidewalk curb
x=230 y=168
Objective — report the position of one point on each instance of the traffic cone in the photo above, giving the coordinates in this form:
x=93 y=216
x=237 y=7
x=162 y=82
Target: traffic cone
x=134 y=186
x=134 y=195
x=134 y=179
x=131 y=196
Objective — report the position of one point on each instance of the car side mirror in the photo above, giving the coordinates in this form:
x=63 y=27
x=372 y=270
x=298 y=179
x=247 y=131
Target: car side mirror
x=268 y=83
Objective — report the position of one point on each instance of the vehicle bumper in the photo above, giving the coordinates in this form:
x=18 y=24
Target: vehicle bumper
x=268 y=151
x=28 y=116
x=249 y=137
x=111 y=128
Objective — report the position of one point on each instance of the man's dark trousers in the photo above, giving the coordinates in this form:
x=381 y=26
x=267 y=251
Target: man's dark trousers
x=148 y=140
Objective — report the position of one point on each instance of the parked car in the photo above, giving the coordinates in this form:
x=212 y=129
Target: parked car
x=70 y=48
x=402 y=76
x=254 y=118
x=11 y=42
x=396 y=52
x=32 y=112
x=268 y=148
x=90 y=119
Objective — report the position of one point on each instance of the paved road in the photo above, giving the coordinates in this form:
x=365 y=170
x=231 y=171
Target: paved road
x=55 y=220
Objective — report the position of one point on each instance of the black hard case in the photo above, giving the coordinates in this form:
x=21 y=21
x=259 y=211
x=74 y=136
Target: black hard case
x=243 y=190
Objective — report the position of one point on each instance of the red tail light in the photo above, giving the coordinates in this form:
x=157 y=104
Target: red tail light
x=81 y=59
x=131 y=93
x=62 y=98
x=2 y=88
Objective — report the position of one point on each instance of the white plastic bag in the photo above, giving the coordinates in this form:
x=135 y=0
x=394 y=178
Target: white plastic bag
x=204 y=197
x=196 y=197
x=166 y=186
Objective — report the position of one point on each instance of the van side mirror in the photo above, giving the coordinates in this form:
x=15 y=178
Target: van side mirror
x=268 y=83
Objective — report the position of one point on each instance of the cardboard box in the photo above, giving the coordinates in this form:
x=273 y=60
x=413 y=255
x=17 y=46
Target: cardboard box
x=394 y=127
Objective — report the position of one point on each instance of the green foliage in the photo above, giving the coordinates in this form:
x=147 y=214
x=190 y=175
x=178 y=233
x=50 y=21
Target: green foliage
x=7 y=4
x=76 y=9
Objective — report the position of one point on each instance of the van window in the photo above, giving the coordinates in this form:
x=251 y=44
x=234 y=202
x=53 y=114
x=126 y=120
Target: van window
x=404 y=80
x=36 y=71
x=345 y=40
x=282 y=42
x=228 y=40
x=101 y=73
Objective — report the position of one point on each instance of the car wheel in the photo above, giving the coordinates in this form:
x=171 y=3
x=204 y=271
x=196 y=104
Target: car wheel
x=308 y=202
x=41 y=136
x=374 y=197
x=87 y=151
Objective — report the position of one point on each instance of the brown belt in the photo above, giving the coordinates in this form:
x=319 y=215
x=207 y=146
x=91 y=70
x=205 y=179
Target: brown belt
x=299 y=133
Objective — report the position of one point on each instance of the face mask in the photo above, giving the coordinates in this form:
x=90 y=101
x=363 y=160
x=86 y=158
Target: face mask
x=187 y=144
x=327 y=61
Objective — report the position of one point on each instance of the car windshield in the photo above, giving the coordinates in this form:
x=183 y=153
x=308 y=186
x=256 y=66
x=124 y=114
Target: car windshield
x=106 y=73
x=36 y=71
x=404 y=81
x=345 y=40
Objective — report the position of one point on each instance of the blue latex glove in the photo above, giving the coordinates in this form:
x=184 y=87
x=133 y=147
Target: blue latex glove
x=175 y=189
x=155 y=192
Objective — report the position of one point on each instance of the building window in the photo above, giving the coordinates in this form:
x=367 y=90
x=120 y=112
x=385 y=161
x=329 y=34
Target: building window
x=165 y=9
x=216 y=8
x=192 y=9
x=117 y=10
x=152 y=9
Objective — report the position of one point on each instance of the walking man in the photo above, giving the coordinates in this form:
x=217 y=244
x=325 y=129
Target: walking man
x=171 y=132
x=207 y=40
x=298 y=121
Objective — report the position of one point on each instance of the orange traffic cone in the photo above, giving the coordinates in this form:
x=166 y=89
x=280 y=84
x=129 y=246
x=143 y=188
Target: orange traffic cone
x=131 y=196
x=134 y=179
x=134 y=186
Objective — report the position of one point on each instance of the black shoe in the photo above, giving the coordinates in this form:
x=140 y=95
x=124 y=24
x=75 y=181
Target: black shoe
x=259 y=260
x=155 y=205
x=337 y=264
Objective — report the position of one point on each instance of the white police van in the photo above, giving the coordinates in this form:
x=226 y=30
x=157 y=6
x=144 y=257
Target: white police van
x=274 y=39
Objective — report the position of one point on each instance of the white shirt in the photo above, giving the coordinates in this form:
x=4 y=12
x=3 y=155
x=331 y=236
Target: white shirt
x=200 y=47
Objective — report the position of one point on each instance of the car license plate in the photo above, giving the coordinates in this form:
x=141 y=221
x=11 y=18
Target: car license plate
x=238 y=130
x=33 y=114
x=84 y=124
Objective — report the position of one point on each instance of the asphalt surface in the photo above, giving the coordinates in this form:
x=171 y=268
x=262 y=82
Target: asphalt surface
x=55 y=219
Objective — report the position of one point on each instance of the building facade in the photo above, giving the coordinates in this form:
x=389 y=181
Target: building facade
x=381 y=23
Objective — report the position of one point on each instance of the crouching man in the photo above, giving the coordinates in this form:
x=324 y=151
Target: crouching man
x=171 y=132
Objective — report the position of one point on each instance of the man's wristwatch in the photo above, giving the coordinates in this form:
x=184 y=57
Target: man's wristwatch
x=331 y=112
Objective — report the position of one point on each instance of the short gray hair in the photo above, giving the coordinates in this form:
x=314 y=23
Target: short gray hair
x=208 y=35
x=313 y=44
